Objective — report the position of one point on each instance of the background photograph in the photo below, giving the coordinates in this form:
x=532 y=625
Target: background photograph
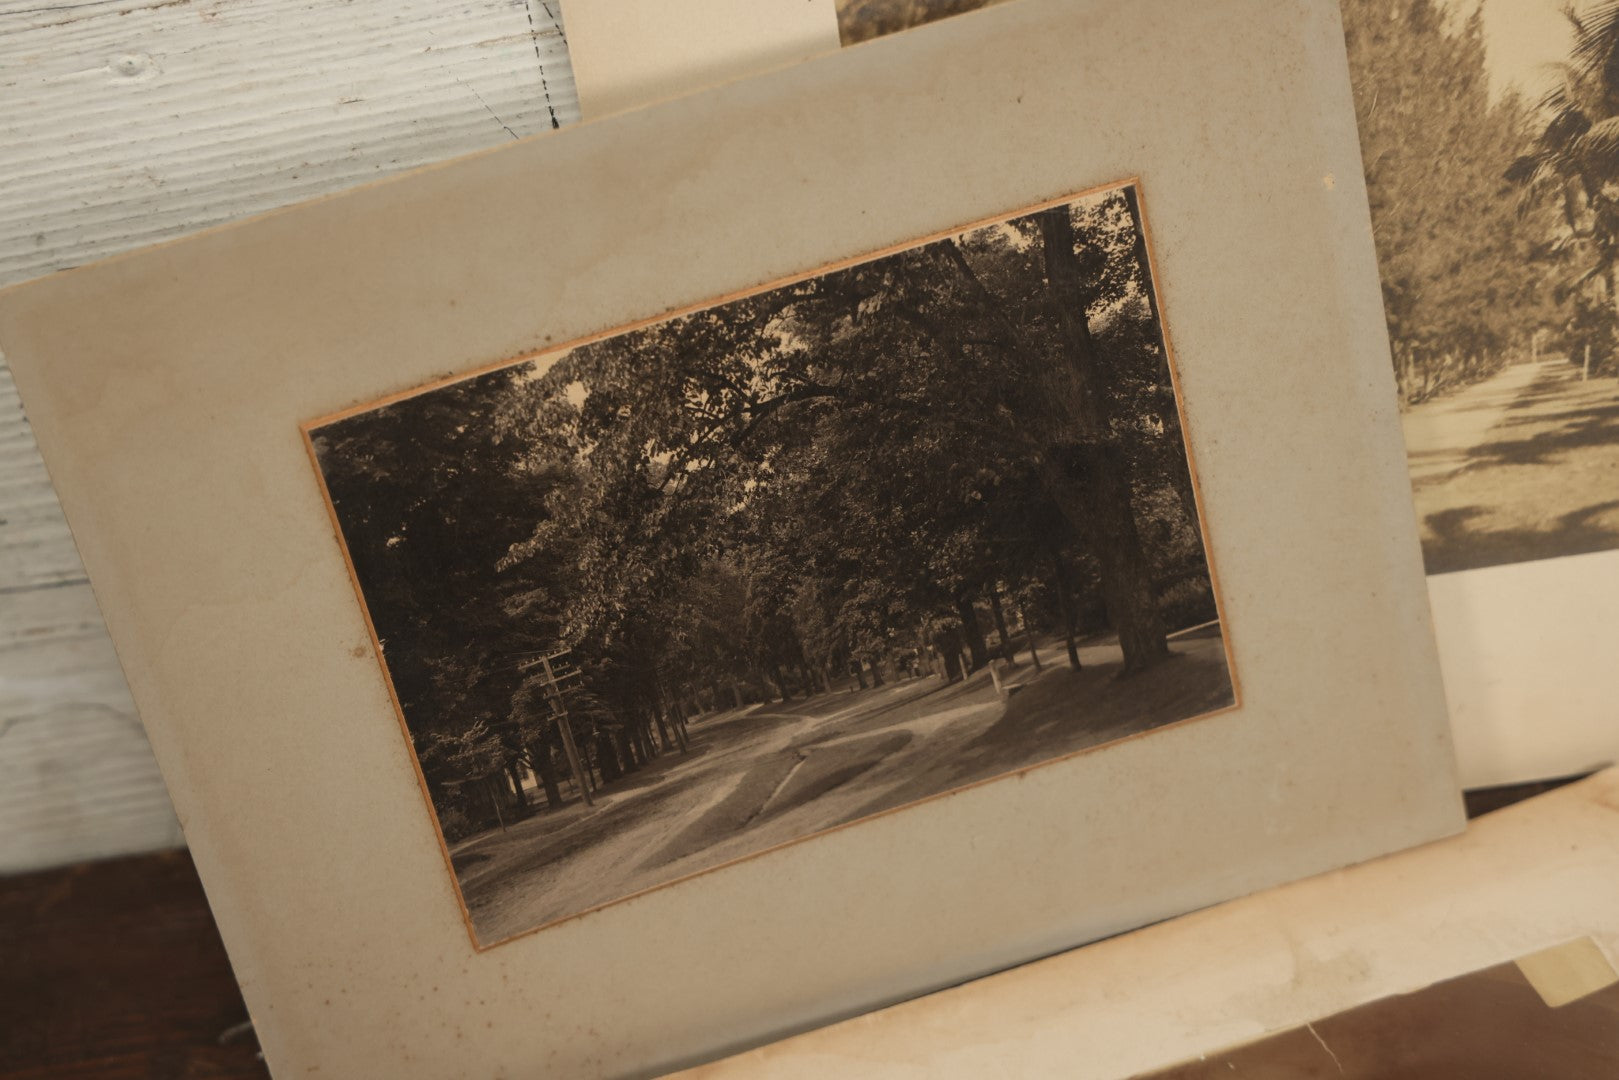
x=1490 y=134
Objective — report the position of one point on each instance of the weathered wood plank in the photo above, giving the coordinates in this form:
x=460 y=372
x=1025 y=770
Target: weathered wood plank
x=126 y=122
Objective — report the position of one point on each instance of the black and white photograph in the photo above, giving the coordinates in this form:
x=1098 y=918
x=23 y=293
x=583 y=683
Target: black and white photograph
x=674 y=596
x=1490 y=135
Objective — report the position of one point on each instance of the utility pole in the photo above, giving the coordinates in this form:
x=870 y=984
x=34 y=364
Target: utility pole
x=1034 y=653
x=566 y=727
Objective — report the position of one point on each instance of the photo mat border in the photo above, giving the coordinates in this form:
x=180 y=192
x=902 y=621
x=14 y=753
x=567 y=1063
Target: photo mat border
x=307 y=430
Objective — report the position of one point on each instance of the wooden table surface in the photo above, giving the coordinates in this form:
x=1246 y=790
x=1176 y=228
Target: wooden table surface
x=114 y=970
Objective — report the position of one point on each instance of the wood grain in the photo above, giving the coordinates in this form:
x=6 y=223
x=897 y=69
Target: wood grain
x=127 y=122
x=115 y=970
x=1489 y=1025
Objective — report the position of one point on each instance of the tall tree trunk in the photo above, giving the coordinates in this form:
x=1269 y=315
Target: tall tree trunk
x=492 y=786
x=607 y=753
x=1165 y=377
x=1034 y=653
x=972 y=632
x=949 y=645
x=780 y=680
x=546 y=769
x=925 y=648
x=1610 y=278
x=1000 y=622
x=588 y=765
x=678 y=722
x=1065 y=606
x=516 y=770
x=607 y=758
x=1090 y=481
x=664 y=710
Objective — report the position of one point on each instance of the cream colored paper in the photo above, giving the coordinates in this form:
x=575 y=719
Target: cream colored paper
x=1524 y=879
x=1528 y=651
x=626 y=54
x=167 y=389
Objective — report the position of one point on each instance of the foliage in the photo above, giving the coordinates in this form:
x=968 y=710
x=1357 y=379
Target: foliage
x=834 y=477
x=1573 y=167
x=1462 y=287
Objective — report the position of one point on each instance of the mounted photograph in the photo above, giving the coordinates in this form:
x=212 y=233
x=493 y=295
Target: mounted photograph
x=1490 y=134
x=668 y=598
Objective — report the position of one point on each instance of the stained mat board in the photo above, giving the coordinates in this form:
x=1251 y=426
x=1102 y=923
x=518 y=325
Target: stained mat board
x=168 y=388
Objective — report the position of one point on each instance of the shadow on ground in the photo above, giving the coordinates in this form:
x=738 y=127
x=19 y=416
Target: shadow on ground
x=1457 y=543
x=1543 y=484
x=1067 y=711
x=777 y=786
x=766 y=776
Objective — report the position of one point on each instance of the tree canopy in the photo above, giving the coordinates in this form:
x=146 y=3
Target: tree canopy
x=1463 y=266
x=834 y=478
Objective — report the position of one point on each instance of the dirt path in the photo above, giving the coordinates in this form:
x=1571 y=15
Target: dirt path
x=1523 y=466
x=768 y=775
x=1439 y=435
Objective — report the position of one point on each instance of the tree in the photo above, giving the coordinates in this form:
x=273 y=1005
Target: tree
x=1089 y=478
x=1573 y=166
x=1461 y=286
x=844 y=475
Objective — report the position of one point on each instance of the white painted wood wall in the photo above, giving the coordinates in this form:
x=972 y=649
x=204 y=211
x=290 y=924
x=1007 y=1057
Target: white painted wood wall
x=123 y=122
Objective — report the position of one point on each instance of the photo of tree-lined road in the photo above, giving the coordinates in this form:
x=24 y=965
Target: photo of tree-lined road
x=683 y=594
x=1490 y=134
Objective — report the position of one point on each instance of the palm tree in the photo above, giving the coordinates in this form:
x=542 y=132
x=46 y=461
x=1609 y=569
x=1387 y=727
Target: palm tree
x=1574 y=162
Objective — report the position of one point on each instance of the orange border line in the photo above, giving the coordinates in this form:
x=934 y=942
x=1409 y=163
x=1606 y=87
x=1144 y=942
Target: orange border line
x=1186 y=441
x=388 y=680
x=308 y=428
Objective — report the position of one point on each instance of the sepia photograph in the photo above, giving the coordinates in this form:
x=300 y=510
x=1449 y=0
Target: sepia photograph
x=1490 y=135
x=671 y=597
